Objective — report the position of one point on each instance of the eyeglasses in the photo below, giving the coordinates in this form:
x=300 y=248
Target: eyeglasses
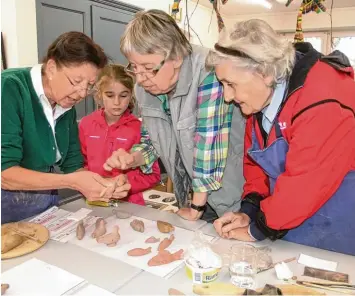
x=148 y=73
x=89 y=89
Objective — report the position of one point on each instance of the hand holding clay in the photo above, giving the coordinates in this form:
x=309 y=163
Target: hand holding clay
x=166 y=242
x=139 y=252
x=165 y=257
x=137 y=225
x=100 y=228
x=121 y=187
x=165 y=227
x=80 y=230
x=110 y=239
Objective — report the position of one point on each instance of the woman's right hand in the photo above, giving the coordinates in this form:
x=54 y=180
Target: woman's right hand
x=92 y=185
x=230 y=221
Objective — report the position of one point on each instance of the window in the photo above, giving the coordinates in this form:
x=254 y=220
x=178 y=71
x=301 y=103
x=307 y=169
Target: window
x=345 y=42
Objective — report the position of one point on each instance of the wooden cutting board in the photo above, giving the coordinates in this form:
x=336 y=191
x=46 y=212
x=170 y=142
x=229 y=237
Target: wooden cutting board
x=35 y=236
x=219 y=288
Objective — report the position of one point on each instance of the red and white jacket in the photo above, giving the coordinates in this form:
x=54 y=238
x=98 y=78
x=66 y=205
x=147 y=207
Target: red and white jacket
x=98 y=141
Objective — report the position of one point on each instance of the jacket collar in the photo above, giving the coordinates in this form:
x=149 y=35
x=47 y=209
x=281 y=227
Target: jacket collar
x=99 y=117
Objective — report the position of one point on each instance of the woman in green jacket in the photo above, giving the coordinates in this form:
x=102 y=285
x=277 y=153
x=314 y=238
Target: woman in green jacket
x=39 y=129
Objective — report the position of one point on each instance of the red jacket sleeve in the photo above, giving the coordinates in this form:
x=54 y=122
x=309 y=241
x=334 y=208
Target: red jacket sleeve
x=321 y=152
x=83 y=143
x=255 y=178
x=140 y=181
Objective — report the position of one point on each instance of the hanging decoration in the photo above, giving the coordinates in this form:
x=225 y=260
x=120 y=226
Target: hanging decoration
x=306 y=7
x=218 y=14
x=176 y=10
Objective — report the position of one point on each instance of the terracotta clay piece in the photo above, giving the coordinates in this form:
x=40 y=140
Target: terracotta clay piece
x=165 y=227
x=166 y=242
x=4 y=287
x=110 y=239
x=10 y=241
x=152 y=240
x=121 y=214
x=139 y=252
x=80 y=231
x=175 y=292
x=165 y=257
x=137 y=225
x=100 y=228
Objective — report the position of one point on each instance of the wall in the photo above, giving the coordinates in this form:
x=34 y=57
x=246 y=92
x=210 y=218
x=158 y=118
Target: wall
x=343 y=19
x=18 y=24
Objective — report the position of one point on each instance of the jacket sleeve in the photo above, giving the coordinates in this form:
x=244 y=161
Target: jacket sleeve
x=256 y=180
x=321 y=153
x=83 y=144
x=140 y=181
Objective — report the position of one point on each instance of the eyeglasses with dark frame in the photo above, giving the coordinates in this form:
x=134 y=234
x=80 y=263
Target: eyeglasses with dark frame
x=89 y=90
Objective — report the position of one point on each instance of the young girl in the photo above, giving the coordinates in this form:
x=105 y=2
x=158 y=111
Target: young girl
x=113 y=127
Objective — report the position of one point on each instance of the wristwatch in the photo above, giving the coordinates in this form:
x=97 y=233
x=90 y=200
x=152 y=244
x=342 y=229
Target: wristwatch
x=198 y=208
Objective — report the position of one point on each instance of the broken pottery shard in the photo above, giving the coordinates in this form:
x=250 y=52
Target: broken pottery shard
x=165 y=257
x=165 y=227
x=137 y=225
x=139 y=252
x=121 y=214
x=152 y=240
x=175 y=292
x=100 y=228
x=166 y=242
x=80 y=230
x=110 y=239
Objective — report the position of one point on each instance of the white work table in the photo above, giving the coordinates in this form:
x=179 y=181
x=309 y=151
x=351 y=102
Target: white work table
x=123 y=279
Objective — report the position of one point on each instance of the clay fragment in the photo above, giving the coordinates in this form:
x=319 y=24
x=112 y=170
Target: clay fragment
x=165 y=227
x=137 y=225
x=10 y=241
x=80 y=230
x=4 y=287
x=165 y=257
x=121 y=214
x=166 y=242
x=152 y=240
x=139 y=252
x=100 y=228
x=175 y=292
x=110 y=239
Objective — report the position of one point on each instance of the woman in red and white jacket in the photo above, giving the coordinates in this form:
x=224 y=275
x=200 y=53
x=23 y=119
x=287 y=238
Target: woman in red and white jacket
x=112 y=128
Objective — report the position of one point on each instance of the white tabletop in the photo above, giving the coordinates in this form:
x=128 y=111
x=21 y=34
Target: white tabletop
x=123 y=279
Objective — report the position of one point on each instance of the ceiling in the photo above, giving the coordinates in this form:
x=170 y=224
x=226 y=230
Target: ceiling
x=238 y=7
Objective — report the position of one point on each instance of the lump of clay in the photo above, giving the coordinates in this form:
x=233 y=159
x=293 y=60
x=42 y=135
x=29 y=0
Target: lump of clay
x=175 y=292
x=139 y=252
x=165 y=257
x=121 y=214
x=4 y=287
x=10 y=241
x=166 y=242
x=80 y=230
x=110 y=239
x=100 y=228
x=137 y=225
x=152 y=240
x=165 y=227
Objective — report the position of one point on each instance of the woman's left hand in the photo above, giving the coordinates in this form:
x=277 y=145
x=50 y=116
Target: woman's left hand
x=189 y=214
x=241 y=234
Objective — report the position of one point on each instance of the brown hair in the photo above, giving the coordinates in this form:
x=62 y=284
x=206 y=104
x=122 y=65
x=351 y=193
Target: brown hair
x=114 y=73
x=76 y=48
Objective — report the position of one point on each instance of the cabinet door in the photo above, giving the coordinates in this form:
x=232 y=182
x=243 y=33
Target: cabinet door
x=107 y=28
x=55 y=17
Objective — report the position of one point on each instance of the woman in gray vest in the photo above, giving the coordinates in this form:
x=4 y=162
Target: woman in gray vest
x=198 y=137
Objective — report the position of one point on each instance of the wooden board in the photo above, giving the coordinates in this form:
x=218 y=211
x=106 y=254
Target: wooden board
x=219 y=288
x=38 y=233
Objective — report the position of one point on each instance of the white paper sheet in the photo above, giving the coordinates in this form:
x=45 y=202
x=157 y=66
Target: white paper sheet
x=37 y=278
x=317 y=263
x=90 y=290
x=131 y=239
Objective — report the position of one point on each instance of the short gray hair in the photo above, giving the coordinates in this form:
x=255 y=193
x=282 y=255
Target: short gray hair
x=259 y=49
x=155 y=32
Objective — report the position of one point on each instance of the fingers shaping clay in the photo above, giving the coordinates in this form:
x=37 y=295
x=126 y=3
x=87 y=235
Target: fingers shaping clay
x=100 y=228
x=10 y=241
x=165 y=257
x=110 y=239
x=165 y=227
x=4 y=287
x=121 y=214
x=80 y=231
x=139 y=252
x=152 y=240
x=166 y=242
x=137 y=225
